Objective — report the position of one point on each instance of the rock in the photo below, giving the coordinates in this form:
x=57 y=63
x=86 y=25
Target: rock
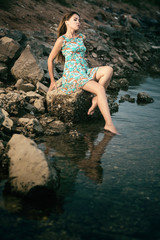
x=123 y=82
x=7 y=122
x=3 y=72
x=31 y=96
x=8 y=49
x=28 y=168
x=41 y=88
x=27 y=68
x=26 y=87
x=55 y=128
x=31 y=125
x=107 y=29
x=39 y=105
x=1 y=147
x=12 y=102
x=72 y=107
x=144 y=97
x=2 y=117
x=126 y=97
x=114 y=86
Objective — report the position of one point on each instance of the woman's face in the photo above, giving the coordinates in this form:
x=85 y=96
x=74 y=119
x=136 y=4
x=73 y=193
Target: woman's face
x=73 y=22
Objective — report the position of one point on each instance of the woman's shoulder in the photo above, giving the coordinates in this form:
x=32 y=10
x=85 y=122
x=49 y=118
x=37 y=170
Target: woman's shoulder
x=82 y=36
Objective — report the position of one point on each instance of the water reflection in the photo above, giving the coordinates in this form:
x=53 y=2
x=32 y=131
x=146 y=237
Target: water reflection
x=70 y=155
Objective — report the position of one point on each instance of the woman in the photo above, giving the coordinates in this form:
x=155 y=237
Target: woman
x=69 y=48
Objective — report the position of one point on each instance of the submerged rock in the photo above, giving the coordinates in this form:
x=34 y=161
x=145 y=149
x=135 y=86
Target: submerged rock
x=28 y=168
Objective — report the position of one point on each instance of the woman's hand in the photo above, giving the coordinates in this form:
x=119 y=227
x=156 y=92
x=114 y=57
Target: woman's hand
x=52 y=86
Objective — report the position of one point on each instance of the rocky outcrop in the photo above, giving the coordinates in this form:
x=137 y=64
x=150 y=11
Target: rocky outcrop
x=72 y=107
x=28 y=168
x=27 y=68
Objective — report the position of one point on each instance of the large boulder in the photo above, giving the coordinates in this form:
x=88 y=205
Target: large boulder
x=8 y=49
x=29 y=170
x=27 y=67
x=72 y=107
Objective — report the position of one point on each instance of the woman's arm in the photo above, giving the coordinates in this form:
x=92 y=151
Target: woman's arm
x=56 y=49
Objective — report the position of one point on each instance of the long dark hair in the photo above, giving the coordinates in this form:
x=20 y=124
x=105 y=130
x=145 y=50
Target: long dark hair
x=62 y=30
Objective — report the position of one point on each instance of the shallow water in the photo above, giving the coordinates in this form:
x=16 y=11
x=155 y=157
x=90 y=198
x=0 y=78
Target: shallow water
x=110 y=186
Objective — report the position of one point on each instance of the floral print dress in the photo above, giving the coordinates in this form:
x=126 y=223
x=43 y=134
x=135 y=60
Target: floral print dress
x=76 y=72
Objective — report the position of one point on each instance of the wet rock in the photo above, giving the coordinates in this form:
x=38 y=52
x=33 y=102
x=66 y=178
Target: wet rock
x=27 y=67
x=114 y=86
x=144 y=97
x=12 y=102
x=123 y=82
x=8 y=49
x=55 y=128
x=72 y=107
x=30 y=125
x=127 y=97
x=28 y=169
x=26 y=87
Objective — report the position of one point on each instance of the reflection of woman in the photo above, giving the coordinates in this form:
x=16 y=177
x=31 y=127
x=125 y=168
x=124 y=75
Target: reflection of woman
x=76 y=74
x=91 y=166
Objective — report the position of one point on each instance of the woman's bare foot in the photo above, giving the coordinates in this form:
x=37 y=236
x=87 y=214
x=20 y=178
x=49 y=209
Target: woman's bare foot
x=94 y=105
x=111 y=128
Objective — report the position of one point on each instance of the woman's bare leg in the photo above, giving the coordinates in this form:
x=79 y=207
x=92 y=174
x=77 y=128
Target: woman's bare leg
x=103 y=77
x=99 y=90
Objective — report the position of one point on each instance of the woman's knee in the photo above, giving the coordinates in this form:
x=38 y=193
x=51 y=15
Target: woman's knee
x=108 y=70
x=100 y=89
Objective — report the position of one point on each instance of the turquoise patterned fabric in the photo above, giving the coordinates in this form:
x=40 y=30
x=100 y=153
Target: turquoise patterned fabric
x=76 y=71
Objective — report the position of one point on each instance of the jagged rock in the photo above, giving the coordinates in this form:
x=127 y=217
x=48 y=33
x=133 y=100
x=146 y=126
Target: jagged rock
x=8 y=49
x=31 y=125
x=7 y=122
x=12 y=102
x=27 y=68
x=3 y=72
x=144 y=97
x=26 y=87
x=28 y=168
x=72 y=107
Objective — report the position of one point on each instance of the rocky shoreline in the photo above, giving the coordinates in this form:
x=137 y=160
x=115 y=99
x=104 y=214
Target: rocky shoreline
x=129 y=44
